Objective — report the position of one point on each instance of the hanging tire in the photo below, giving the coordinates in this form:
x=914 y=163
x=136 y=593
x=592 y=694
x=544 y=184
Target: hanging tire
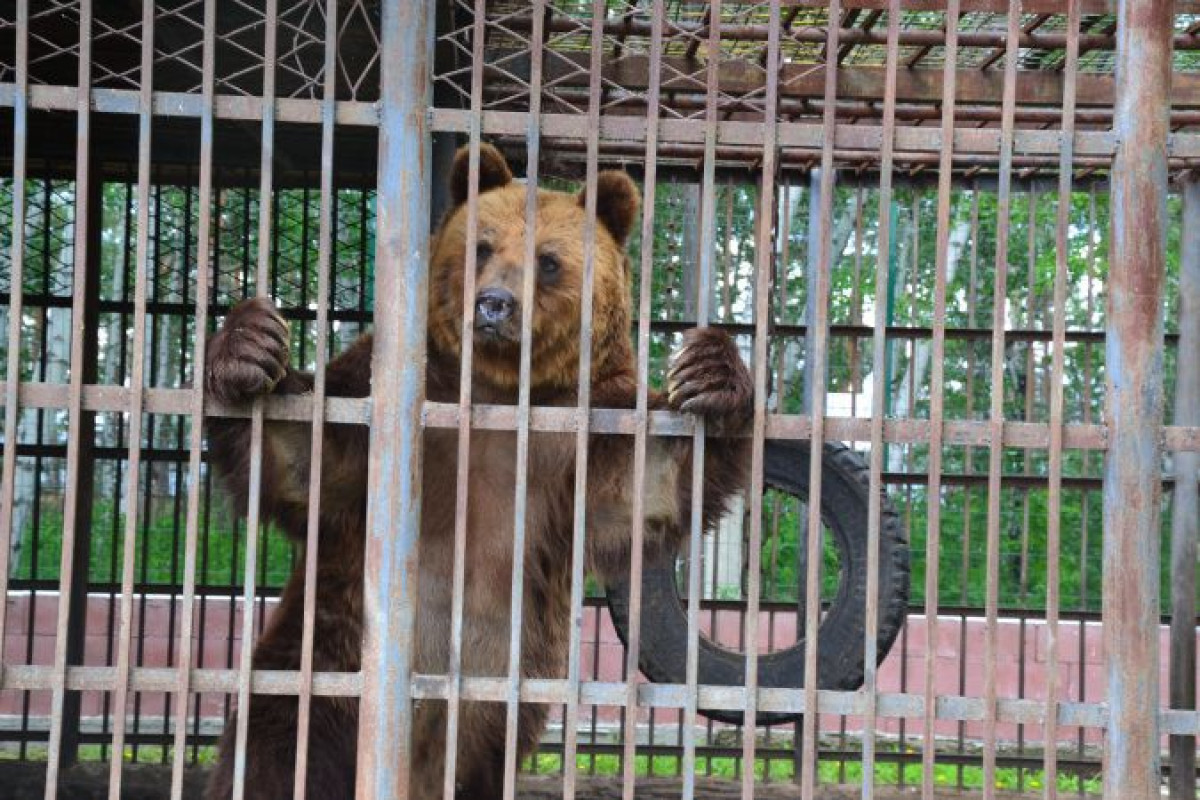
x=845 y=493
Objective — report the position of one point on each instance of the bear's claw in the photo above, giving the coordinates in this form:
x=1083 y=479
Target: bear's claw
x=249 y=355
x=708 y=378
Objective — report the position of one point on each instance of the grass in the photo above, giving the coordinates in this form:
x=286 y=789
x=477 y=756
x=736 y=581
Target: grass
x=159 y=549
x=886 y=773
x=781 y=770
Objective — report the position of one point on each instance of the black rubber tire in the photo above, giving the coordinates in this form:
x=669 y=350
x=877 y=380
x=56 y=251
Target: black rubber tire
x=845 y=493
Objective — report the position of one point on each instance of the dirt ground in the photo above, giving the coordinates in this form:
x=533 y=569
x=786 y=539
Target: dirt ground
x=25 y=781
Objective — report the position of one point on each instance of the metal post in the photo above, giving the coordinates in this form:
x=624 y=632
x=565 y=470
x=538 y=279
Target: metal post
x=1134 y=386
x=398 y=392
x=1185 y=505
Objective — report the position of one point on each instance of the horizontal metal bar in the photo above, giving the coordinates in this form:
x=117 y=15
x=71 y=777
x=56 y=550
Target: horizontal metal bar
x=184 y=104
x=357 y=410
x=888 y=704
x=793 y=135
x=806 y=82
x=166 y=679
x=816 y=34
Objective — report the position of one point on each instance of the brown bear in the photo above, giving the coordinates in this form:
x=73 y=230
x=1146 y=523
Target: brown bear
x=248 y=358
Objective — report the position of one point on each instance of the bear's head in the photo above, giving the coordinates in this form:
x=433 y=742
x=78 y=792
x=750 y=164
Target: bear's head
x=502 y=264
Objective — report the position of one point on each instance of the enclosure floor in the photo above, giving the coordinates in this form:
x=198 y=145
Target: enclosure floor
x=26 y=781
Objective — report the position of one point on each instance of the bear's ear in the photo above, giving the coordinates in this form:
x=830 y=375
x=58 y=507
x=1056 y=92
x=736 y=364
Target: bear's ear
x=617 y=201
x=493 y=172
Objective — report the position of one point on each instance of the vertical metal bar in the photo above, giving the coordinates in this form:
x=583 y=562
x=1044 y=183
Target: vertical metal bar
x=818 y=329
x=317 y=443
x=1086 y=467
x=968 y=469
x=467 y=340
x=1057 y=374
x=937 y=398
x=398 y=391
x=703 y=289
x=1185 y=505
x=641 y=430
x=196 y=431
x=77 y=419
x=879 y=393
x=583 y=406
x=16 y=296
x=525 y=372
x=262 y=277
x=136 y=382
x=996 y=419
x=762 y=306
x=1134 y=388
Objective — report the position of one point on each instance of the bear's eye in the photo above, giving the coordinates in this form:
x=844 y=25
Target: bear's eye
x=483 y=251
x=548 y=264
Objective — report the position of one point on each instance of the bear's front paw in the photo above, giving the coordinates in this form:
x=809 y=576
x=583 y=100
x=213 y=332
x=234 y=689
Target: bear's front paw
x=708 y=378
x=248 y=355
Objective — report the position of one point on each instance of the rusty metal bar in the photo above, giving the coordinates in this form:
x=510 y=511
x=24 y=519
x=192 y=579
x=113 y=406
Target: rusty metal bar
x=996 y=415
x=878 y=405
x=1134 y=407
x=12 y=372
x=703 y=289
x=641 y=430
x=254 y=483
x=394 y=477
x=196 y=403
x=523 y=412
x=79 y=419
x=1185 y=508
x=317 y=442
x=1078 y=436
x=462 y=479
x=750 y=32
x=892 y=705
x=583 y=405
x=136 y=382
x=937 y=403
x=816 y=393
x=1057 y=373
x=762 y=318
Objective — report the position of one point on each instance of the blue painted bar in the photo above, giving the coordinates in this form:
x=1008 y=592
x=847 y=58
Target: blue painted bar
x=397 y=395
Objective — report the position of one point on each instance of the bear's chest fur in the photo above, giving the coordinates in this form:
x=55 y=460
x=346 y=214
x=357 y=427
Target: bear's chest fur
x=490 y=516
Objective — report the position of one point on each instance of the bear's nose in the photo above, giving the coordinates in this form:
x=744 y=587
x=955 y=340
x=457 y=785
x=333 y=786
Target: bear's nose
x=493 y=306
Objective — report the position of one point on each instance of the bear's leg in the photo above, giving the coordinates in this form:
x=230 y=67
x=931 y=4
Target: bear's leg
x=480 y=771
x=271 y=750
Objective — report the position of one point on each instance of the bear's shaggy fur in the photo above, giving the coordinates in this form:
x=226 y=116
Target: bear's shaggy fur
x=247 y=358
